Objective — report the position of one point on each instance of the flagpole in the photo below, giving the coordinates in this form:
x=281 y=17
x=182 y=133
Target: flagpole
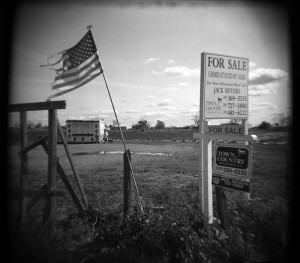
x=133 y=177
x=82 y=51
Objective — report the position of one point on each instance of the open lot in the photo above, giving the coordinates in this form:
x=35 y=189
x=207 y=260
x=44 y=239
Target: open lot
x=166 y=173
x=160 y=168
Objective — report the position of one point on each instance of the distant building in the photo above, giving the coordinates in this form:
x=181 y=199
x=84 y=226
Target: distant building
x=85 y=131
x=116 y=128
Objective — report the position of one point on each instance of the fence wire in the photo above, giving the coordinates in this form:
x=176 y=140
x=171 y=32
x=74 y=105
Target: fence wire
x=166 y=174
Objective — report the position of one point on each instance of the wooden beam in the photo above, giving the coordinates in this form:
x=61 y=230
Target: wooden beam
x=127 y=182
x=246 y=125
x=33 y=145
x=50 y=212
x=65 y=180
x=24 y=169
x=48 y=105
x=238 y=138
x=222 y=208
x=38 y=191
x=82 y=192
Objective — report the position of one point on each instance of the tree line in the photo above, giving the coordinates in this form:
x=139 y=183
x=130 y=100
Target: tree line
x=280 y=120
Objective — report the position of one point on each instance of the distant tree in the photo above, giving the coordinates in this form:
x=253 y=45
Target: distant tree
x=278 y=117
x=38 y=125
x=285 y=121
x=160 y=125
x=288 y=121
x=196 y=120
x=115 y=123
x=30 y=125
x=141 y=125
x=264 y=125
x=233 y=122
x=280 y=120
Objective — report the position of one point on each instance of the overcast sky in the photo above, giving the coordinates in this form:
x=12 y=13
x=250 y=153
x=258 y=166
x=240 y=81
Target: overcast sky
x=151 y=58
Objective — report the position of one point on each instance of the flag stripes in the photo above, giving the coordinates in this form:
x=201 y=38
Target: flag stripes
x=76 y=75
x=80 y=65
x=76 y=87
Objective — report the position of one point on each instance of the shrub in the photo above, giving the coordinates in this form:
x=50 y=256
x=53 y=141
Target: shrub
x=263 y=223
x=264 y=125
x=175 y=234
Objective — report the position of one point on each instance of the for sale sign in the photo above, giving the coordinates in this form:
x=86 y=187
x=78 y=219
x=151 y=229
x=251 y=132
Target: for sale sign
x=233 y=161
x=226 y=129
x=225 y=83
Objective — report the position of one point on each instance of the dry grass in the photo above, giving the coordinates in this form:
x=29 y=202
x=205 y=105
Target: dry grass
x=173 y=174
x=169 y=180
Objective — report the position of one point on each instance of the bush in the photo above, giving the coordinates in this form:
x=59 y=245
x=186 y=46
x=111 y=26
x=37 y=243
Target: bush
x=175 y=234
x=264 y=223
x=160 y=125
x=264 y=125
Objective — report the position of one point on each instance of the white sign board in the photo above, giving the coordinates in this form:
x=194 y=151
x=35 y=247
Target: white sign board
x=226 y=129
x=225 y=83
x=233 y=161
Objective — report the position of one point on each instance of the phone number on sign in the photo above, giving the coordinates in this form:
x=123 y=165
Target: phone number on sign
x=234 y=171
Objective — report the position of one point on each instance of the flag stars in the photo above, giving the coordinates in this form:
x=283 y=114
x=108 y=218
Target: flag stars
x=82 y=51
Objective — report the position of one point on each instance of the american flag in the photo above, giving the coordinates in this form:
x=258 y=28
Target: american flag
x=80 y=65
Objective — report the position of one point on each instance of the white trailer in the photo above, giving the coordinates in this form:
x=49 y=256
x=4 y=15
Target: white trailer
x=85 y=131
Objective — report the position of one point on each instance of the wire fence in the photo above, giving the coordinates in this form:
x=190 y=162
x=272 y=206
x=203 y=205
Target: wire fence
x=167 y=174
x=101 y=169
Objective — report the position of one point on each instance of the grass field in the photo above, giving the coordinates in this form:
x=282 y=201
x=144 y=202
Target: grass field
x=169 y=179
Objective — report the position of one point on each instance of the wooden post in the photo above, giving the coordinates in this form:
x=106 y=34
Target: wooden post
x=222 y=208
x=51 y=106
x=24 y=170
x=127 y=182
x=60 y=130
x=50 y=210
x=246 y=127
x=64 y=178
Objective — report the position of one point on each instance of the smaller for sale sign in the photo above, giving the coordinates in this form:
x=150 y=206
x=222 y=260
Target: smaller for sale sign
x=233 y=161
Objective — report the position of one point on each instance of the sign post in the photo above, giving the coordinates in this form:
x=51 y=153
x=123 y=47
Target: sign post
x=223 y=95
x=205 y=187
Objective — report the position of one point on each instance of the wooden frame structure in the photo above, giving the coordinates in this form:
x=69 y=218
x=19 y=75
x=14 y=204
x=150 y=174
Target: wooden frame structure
x=50 y=148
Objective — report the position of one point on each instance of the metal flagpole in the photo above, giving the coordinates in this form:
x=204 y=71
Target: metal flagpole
x=130 y=166
x=137 y=191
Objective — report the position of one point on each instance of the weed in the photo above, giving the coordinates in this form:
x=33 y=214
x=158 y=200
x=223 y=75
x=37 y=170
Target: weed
x=172 y=228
